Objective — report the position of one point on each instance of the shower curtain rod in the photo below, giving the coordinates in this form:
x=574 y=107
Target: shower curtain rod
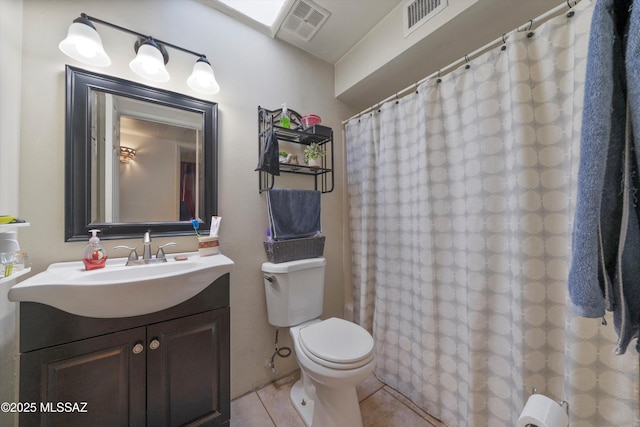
x=491 y=45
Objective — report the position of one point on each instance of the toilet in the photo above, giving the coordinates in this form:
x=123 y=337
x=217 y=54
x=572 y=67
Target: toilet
x=334 y=355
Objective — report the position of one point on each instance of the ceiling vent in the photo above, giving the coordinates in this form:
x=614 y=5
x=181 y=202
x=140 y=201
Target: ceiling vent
x=417 y=12
x=304 y=19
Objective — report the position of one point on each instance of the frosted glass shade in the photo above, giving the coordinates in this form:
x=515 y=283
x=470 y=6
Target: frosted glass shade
x=149 y=63
x=83 y=43
x=202 y=78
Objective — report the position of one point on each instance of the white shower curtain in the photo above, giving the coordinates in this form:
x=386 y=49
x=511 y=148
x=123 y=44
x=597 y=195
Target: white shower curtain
x=461 y=207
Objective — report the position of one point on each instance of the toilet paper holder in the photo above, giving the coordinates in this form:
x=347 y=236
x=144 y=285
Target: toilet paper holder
x=563 y=403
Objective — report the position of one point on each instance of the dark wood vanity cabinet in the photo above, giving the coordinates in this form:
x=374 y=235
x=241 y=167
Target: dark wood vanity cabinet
x=103 y=371
x=169 y=368
x=183 y=373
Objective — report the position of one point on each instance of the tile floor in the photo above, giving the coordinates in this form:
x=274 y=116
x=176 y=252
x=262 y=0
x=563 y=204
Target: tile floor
x=381 y=406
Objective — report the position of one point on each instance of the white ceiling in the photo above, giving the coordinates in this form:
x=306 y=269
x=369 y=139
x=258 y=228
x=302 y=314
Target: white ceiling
x=351 y=20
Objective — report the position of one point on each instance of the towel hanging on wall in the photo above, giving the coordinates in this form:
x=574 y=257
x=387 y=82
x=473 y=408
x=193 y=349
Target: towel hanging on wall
x=605 y=273
x=293 y=214
x=269 y=156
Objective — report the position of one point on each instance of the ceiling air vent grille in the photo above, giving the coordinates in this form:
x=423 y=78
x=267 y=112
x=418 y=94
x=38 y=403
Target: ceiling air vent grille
x=305 y=19
x=417 y=12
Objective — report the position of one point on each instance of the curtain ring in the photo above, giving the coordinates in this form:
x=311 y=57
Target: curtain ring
x=504 y=38
x=466 y=58
x=439 y=80
x=530 y=33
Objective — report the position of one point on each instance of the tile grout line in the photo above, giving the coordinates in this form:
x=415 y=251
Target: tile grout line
x=382 y=388
x=265 y=409
x=405 y=405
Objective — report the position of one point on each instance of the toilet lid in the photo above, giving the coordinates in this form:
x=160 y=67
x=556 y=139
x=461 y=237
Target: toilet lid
x=337 y=341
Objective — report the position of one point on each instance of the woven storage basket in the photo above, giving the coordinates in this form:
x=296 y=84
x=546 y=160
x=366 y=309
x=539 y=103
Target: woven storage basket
x=294 y=249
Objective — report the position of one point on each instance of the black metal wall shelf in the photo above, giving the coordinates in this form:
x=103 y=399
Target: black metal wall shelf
x=323 y=175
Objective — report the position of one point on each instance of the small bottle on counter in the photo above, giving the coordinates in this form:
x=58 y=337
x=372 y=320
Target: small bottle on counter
x=94 y=256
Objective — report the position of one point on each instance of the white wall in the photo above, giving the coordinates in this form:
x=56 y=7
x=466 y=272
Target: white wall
x=252 y=70
x=384 y=62
x=10 y=78
x=385 y=42
x=142 y=176
x=10 y=70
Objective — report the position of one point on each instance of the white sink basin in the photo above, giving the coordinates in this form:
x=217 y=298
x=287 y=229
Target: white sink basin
x=121 y=291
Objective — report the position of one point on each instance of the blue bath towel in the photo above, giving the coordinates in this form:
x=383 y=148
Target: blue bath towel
x=605 y=272
x=293 y=214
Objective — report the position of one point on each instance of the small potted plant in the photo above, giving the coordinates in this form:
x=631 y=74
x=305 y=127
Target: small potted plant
x=313 y=155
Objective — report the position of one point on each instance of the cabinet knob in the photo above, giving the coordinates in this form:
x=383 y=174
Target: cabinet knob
x=154 y=344
x=138 y=348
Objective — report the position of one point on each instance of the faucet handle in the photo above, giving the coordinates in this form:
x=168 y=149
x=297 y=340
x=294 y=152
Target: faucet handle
x=160 y=254
x=147 y=237
x=133 y=255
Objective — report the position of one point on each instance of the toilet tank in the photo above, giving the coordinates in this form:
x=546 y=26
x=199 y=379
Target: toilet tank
x=294 y=290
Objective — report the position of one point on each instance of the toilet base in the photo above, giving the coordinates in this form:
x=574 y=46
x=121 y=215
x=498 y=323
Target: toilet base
x=302 y=403
x=325 y=407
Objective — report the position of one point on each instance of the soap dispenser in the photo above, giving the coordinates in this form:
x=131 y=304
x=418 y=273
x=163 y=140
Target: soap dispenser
x=285 y=121
x=94 y=256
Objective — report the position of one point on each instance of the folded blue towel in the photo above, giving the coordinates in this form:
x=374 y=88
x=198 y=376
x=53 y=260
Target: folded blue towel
x=293 y=214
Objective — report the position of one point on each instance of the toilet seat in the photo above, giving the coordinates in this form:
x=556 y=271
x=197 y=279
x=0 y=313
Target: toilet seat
x=337 y=344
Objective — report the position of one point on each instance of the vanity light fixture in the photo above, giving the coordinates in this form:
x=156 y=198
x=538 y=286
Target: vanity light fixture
x=126 y=154
x=202 y=78
x=150 y=61
x=83 y=43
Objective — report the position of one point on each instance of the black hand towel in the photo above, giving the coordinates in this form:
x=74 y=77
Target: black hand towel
x=269 y=157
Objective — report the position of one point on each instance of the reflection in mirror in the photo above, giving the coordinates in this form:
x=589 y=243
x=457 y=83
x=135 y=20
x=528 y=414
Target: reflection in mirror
x=165 y=146
x=138 y=159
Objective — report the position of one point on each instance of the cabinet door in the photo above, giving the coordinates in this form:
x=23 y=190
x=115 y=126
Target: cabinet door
x=107 y=373
x=188 y=371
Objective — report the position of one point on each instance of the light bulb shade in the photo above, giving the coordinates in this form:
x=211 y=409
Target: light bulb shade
x=83 y=43
x=149 y=62
x=202 y=79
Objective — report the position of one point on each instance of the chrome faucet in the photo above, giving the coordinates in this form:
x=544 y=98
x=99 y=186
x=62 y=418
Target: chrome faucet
x=146 y=252
x=133 y=258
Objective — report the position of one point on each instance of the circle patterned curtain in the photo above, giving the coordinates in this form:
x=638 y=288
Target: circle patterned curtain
x=462 y=198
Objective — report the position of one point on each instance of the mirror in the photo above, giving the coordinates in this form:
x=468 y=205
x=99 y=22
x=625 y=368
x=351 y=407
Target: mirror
x=137 y=159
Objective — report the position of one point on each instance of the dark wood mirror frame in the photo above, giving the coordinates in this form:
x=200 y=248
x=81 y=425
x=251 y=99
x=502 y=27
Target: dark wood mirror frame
x=79 y=84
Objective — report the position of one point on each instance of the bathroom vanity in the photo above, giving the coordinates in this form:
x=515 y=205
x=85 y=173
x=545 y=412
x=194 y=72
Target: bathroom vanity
x=166 y=368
